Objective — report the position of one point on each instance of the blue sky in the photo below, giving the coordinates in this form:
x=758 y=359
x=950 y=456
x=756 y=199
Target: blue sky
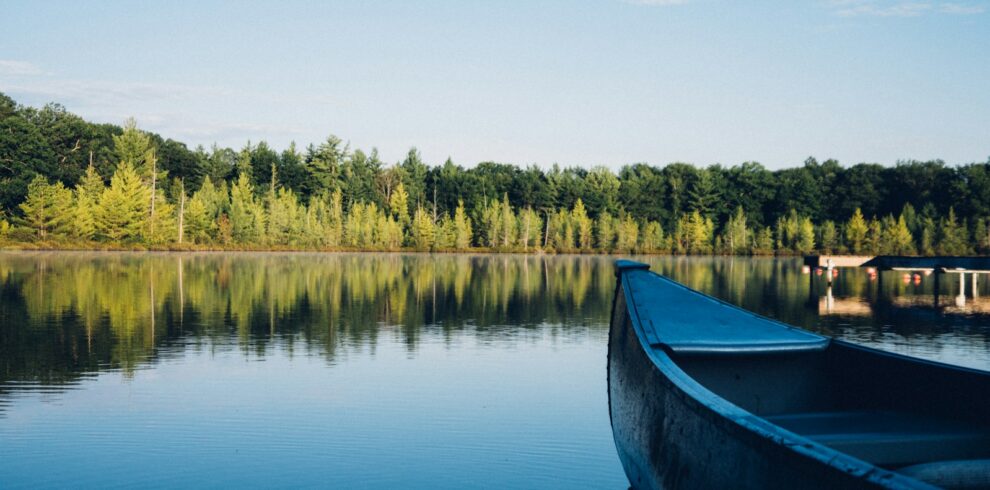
x=596 y=82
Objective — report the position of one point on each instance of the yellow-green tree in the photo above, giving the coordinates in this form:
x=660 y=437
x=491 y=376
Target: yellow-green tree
x=582 y=225
x=123 y=208
x=856 y=231
x=48 y=208
x=423 y=232
x=462 y=228
x=398 y=204
x=87 y=201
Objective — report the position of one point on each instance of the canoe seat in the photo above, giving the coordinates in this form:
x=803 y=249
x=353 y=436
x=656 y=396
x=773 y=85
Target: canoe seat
x=967 y=474
x=890 y=439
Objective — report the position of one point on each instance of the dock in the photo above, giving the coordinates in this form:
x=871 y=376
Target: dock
x=945 y=264
x=936 y=265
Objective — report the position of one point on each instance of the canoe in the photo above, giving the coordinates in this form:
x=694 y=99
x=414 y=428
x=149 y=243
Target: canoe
x=703 y=394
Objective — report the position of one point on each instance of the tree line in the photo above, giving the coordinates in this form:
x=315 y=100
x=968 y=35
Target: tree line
x=67 y=182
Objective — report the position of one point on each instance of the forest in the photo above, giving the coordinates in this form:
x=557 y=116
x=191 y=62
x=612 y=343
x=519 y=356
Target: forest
x=69 y=183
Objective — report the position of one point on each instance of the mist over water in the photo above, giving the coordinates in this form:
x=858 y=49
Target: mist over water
x=369 y=370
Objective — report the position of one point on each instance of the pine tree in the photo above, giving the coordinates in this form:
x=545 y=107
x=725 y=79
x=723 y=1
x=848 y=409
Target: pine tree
x=606 y=232
x=133 y=147
x=874 y=237
x=737 y=233
x=160 y=227
x=509 y=226
x=47 y=208
x=806 y=236
x=245 y=226
x=653 y=240
x=699 y=234
x=335 y=220
x=763 y=243
x=928 y=232
x=583 y=225
x=123 y=207
x=462 y=228
x=423 y=231
x=398 y=204
x=856 y=231
x=530 y=228
x=829 y=237
x=88 y=193
x=627 y=234
x=198 y=225
x=953 y=236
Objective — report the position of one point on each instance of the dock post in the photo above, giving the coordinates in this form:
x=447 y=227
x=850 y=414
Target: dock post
x=976 y=293
x=829 y=268
x=937 y=275
x=961 y=299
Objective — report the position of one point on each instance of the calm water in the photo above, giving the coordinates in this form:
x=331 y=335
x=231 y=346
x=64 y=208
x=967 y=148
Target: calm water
x=363 y=370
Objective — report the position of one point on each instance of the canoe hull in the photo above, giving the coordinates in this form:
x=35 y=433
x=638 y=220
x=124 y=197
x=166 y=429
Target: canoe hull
x=667 y=438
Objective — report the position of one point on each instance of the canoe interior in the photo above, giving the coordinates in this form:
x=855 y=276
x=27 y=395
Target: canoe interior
x=829 y=414
x=887 y=410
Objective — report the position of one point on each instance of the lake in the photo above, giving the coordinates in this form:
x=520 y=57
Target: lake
x=371 y=370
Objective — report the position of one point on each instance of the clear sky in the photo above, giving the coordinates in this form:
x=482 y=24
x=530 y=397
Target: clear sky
x=596 y=82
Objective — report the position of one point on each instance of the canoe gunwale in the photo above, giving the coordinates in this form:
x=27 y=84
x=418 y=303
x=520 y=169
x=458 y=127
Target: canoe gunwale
x=735 y=421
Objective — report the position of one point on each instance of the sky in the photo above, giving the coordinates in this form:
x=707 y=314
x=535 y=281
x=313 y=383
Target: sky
x=578 y=82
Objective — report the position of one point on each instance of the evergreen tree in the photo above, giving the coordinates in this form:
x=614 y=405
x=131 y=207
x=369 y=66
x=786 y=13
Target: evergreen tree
x=627 y=234
x=874 y=237
x=763 y=244
x=829 y=237
x=423 y=231
x=653 y=240
x=583 y=225
x=509 y=226
x=737 y=233
x=199 y=228
x=398 y=204
x=244 y=210
x=123 y=208
x=806 y=236
x=928 y=236
x=606 y=232
x=462 y=228
x=47 y=208
x=88 y=193
x=160 y=227
x=530 y=228
x=856 y=231
x=953 y=236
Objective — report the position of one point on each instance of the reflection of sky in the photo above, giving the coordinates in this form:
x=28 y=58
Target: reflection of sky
x=520 y=414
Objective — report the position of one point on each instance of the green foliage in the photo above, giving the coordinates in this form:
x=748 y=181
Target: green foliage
x=856 y=231
x=423 y=230
x=627 y=235
x=737 y=234
x=123 y=207
x=332 y=196
x=953 y=236
x=47 y=208
x=606 y=232
x=828 y=237
x=398 y=204
x=462 y=228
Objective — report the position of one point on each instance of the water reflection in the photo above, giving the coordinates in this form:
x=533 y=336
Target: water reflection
x=412 y=369
x=67 y=314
